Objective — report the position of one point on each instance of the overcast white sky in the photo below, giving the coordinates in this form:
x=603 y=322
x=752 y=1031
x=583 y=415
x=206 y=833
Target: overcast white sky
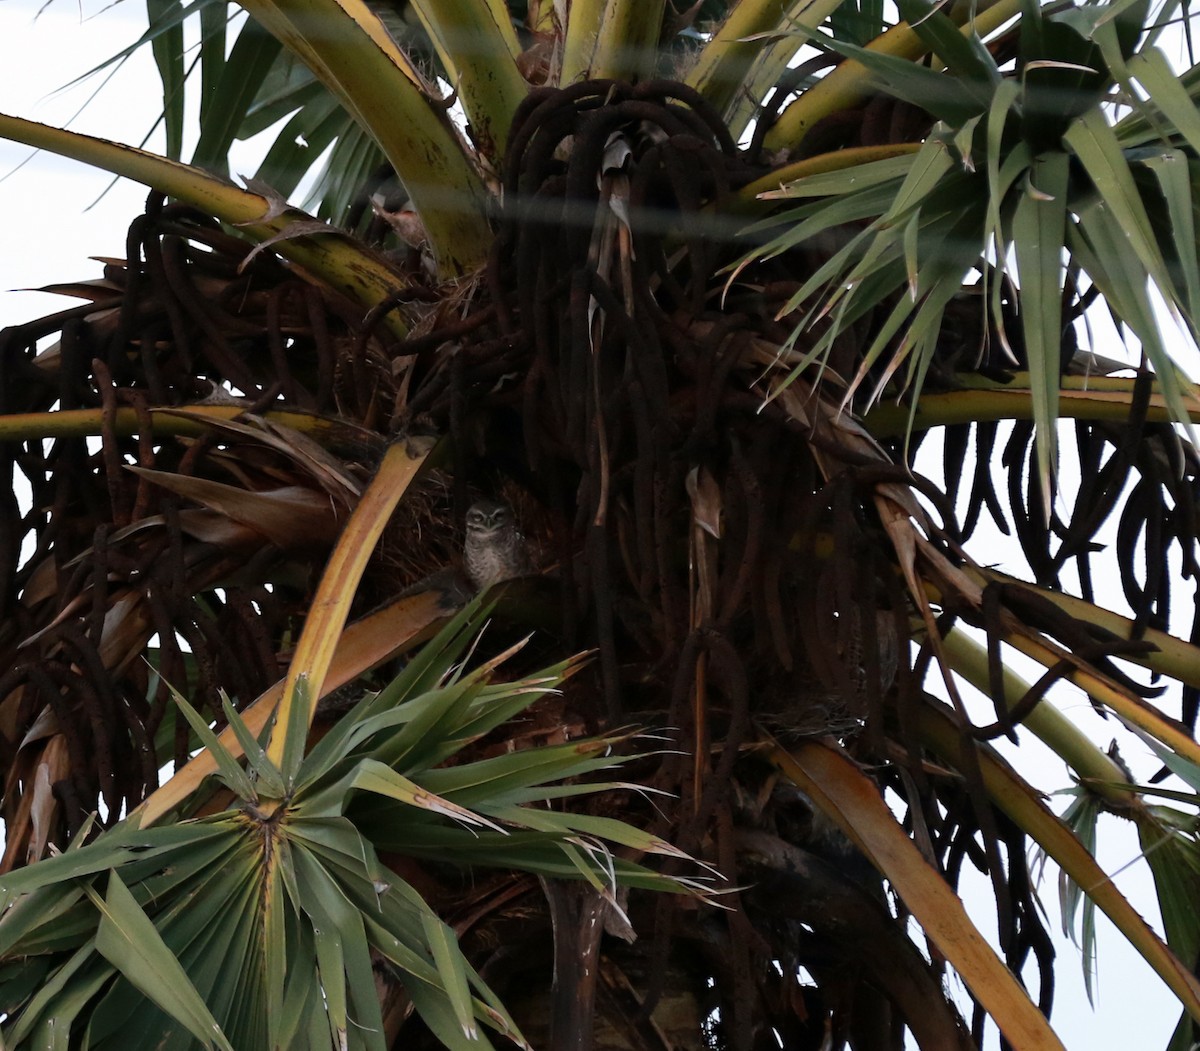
x=50 y=225
x=46 y=233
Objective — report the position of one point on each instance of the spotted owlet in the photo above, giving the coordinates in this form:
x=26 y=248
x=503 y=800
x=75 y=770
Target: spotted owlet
x=494 y=549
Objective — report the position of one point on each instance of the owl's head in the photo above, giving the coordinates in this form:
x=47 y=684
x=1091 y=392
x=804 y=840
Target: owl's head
x=487 y=518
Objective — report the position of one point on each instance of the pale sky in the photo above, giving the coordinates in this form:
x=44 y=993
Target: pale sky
x=50 y=225
x=48 y=231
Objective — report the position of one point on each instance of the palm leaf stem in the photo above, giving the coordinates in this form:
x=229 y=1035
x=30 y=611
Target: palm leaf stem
x=337 y=259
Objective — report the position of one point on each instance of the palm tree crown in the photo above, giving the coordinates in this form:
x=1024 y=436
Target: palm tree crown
x=678 y=295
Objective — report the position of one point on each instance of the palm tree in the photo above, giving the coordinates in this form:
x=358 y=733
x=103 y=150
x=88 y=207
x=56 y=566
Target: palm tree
x=689 y=304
